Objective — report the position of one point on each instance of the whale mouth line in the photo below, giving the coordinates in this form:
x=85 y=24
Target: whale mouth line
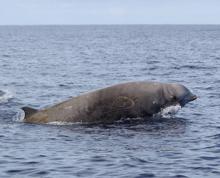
x=187 y=99
x=194 y=97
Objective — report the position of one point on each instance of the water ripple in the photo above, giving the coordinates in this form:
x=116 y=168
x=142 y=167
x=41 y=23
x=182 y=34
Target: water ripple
x=42 y=65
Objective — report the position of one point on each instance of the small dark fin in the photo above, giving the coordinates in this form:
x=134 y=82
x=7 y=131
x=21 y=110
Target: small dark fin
x=29 y=111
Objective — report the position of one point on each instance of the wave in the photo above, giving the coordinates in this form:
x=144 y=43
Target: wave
x=5 y=95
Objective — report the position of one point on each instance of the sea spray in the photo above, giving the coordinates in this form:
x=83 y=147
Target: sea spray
x=19 y=116
x=168 y=112
x=5 y=95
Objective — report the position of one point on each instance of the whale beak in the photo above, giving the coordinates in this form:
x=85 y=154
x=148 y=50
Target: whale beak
x=194 y=97
x=188 y=99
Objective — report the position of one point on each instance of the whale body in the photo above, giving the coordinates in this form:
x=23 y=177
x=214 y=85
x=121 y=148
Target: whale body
x=126 y=100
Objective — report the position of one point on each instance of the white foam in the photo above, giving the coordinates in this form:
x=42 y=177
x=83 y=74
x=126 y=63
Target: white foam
x=19 y=116
x=6 y=96
x=170 y=111
x=61 y=123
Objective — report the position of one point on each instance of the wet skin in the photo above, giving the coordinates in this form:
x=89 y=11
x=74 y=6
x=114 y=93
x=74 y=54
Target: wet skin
x=133 y=99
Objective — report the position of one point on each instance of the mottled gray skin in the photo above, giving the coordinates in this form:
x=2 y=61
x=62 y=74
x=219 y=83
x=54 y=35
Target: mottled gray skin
x=127 y=100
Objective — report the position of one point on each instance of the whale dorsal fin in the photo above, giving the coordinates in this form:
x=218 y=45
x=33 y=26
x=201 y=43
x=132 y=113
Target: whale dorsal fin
x=29 y=111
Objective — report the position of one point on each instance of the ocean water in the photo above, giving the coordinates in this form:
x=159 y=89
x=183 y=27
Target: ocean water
x=43 y=65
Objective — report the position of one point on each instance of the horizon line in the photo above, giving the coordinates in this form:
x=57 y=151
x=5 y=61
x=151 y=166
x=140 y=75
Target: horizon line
x=109 y=24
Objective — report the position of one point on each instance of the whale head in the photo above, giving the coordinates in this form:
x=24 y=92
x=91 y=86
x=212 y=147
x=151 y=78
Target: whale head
x=177 y=93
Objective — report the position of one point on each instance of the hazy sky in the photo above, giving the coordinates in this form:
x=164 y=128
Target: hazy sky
x=109 y=12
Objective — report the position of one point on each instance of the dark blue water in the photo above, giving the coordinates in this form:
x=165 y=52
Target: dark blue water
x=43 y=65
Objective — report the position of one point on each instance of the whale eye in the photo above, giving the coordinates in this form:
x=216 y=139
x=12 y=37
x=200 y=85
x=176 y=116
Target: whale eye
x=173 y=98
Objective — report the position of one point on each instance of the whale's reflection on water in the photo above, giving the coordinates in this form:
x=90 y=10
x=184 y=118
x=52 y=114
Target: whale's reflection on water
x=154 y=126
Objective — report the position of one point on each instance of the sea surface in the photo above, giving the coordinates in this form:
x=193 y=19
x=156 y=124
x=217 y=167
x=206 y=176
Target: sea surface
x=43 y=65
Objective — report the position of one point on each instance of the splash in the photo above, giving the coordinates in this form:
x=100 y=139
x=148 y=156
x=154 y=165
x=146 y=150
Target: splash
x=19 y=116
x=61 y=123
x=169 y=111
x=5 y=96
